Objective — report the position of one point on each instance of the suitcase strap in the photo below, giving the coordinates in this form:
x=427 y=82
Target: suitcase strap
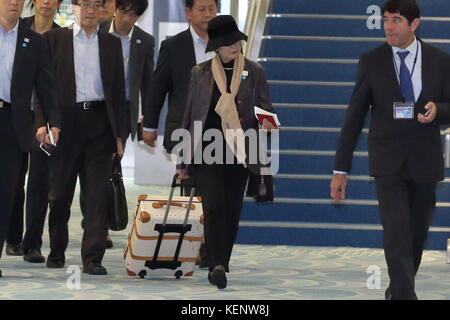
x=162 y=229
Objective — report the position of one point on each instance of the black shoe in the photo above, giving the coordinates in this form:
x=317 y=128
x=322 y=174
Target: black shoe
x=109 y=243
x=387 y=294
x=218 y=278
x=55 y=263
x=14 y=250
x=94 y=269
x=34 y=256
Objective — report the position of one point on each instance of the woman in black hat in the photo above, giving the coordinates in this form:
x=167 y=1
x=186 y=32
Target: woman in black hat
x=222 y=95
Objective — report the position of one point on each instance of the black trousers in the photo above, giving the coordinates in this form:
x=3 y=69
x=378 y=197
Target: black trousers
x=36 y=202
x=11 y=165
x=16 y=222
x=406 y=209
x=86 y=154
x=222 y=189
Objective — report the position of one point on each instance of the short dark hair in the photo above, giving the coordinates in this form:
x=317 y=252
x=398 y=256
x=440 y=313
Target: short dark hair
x=190 y=3
x=31 y=4
x=138 y=6
x=407 y=8
x=76 y=2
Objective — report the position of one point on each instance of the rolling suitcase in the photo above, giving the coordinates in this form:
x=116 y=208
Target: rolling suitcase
x=166 y=235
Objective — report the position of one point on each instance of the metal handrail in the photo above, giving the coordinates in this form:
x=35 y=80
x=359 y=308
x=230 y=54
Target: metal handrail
x=254 y=27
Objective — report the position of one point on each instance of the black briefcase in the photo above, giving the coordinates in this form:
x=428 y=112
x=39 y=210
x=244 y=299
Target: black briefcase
x=118 y=210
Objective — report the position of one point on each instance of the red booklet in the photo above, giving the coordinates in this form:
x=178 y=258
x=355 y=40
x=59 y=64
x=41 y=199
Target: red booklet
x=262 y=115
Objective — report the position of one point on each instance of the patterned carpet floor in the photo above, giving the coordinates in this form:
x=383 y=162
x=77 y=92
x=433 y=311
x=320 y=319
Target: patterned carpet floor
x=257 y=272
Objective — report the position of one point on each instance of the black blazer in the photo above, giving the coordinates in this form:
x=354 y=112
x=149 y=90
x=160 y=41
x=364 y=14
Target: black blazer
x=142 y=50
x=111 y=65
x=28 y=21
x=175 y=62
x=253 y=91
x=394 y=143
x=31 y=69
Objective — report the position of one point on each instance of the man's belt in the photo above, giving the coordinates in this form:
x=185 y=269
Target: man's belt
x=87 y=105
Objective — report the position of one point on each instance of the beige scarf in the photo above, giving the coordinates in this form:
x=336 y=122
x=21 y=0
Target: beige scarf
x=226 y=106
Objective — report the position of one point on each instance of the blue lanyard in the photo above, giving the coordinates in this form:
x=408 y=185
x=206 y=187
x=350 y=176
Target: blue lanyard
x=414 y=66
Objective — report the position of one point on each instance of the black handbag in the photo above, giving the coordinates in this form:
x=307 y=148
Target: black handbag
x=260 y=187
x=118 y=210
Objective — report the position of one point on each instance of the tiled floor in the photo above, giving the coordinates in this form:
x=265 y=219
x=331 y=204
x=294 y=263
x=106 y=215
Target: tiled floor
x=258 y=272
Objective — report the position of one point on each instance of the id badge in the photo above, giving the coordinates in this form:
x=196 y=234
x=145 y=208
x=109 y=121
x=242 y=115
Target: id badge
x=403 y=110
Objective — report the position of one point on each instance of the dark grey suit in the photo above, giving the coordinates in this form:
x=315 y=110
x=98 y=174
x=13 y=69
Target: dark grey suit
x=171 y=76
x=86 y=145
x=37 y=191
x=405 y=156
x=140 y=72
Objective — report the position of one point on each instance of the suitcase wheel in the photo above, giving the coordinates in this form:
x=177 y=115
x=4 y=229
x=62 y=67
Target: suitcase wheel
x=142 y=274
x=178 y=274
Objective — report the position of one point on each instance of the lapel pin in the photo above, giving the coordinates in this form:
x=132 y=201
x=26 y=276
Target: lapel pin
x=138 y=41
x=244 y=75
x=24 y=44
x=26 y=40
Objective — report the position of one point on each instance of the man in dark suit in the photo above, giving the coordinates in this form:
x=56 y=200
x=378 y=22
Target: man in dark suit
x=406 y=84
x=38 y=174
x=138 y=51
x=24 y=65
x=177 y=56
x=88 y=67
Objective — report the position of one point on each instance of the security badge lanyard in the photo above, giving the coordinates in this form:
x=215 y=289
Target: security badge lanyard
x=405 y=110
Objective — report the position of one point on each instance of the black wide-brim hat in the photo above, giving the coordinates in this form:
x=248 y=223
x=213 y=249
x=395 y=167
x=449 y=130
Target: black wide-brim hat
x=222 y=32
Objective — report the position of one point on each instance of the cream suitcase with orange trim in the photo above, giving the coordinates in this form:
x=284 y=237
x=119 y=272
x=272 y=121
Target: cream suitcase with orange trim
x=154 y=245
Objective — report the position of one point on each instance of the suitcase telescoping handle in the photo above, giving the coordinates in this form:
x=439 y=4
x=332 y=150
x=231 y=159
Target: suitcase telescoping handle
x=183 y=183
x=165 y=228
x=176 y=182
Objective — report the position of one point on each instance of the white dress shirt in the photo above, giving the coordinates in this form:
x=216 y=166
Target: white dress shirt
x=8 y=43
x=413 y=49
x=200 y=47
x=126 y=45
x=87 y=65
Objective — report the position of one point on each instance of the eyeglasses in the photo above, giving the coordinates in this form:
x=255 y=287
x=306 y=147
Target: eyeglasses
x=90 y=5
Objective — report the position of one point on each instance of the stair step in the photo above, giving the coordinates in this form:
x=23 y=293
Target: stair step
x=325 y=211
x=328 y=237
x=311 y=187
x=311 y=71
x=325 y=47
x=307 y=138
x=349 y=26
x=317 y=163
x=432 y=8
x=312 y=116
x=307 y=92
x=320 y=138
